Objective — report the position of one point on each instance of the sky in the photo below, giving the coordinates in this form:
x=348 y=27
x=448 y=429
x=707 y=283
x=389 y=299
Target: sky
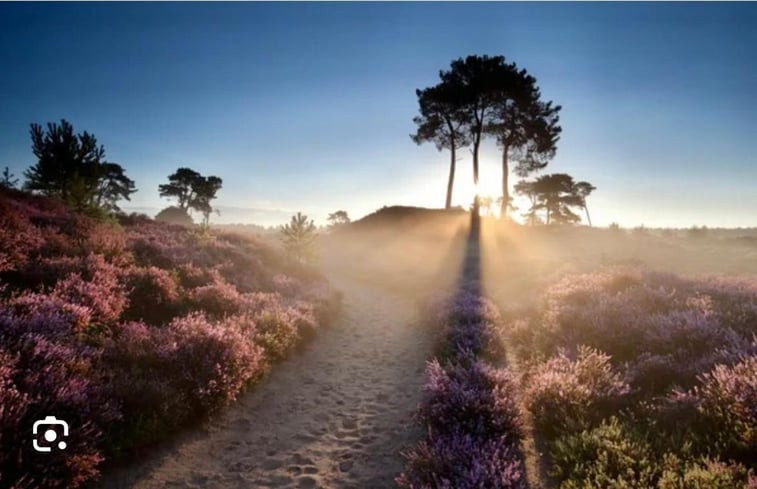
x=309 y=107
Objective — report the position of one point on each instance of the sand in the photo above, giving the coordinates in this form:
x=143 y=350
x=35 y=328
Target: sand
x=334 y=416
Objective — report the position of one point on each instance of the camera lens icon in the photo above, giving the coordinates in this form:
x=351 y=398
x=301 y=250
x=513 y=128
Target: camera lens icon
x=46 y=427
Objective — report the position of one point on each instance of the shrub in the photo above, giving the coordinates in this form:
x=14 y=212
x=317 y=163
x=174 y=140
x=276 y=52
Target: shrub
x=165 y=377
x=217 y=299
x=676 y=376
x=703 y=474
x=93 y=329
x=461 y=461
x=153 y=295
x=174 y=215
x=39 y=377
x=471 y=397
x=48 y=315
x=605 y=457
x=18 y=236
x=469 y=407
x=567 y=395
x=98 y=287
x=727 y=398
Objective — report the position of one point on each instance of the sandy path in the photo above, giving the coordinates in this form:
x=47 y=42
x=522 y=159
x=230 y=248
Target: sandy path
x=334 y=416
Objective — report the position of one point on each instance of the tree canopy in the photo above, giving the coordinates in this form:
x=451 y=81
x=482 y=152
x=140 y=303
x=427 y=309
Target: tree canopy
x=192 y=191
x=442 y=121
x=73 y=167
x=180 y=185
x=555 y=194
x=483 y=96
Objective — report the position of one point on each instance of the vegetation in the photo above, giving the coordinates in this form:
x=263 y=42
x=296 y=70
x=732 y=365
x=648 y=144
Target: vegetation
x=174 y=215
x=130 y=329
x=298 y=238
x=639 y=379
x=338 y=218
x=192 y=192
x=8 y=179
x=469 y=412
x=73 y=168
x=470 y=409
x=555 y=194
x=483 y=96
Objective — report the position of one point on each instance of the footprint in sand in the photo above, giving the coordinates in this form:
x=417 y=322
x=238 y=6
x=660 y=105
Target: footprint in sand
x=334 y=416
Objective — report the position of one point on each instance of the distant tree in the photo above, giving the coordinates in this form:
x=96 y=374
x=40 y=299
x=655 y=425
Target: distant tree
x=73 y=167
x=442 y=121
x=204 y=190
x=175 y=215
x=584 y=189
x=526 y=188
x=181 y=185
x=298 y=238
x=8 y=179
x=338 y=218
x=192 y=191
x=556 y=194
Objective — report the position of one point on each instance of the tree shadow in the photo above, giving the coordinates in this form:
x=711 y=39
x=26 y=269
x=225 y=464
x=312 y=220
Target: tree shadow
x=470 y=274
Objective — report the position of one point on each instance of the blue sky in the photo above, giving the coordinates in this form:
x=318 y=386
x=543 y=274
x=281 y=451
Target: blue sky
x=309 y=106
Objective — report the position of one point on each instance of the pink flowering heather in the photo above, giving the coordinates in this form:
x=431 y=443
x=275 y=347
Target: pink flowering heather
x=564 y=394
x=461 y=461
x=470 y=396
x=153 y=295
x=40 y=376
x=649 y=360
x=130 y=330
x=217 y=299
x=470 y=410
x=727 y=397
x=103 y=295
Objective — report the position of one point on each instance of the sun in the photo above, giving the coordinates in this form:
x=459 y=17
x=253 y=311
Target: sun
x=466 y=191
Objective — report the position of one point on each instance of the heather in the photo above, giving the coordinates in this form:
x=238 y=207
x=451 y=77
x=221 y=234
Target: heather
x=633 y=378
x=470 y=409
x=130 y=329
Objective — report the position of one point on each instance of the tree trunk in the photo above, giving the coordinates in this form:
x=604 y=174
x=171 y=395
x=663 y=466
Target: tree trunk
x=451 y=180
x=505 y=184
x=588 y=217
x=476 y=144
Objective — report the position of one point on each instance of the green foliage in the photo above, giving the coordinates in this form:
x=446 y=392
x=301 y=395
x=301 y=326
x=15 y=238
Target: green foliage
x=605 y=457
x=73 y=167
x=298 y=238
x=703 y=474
